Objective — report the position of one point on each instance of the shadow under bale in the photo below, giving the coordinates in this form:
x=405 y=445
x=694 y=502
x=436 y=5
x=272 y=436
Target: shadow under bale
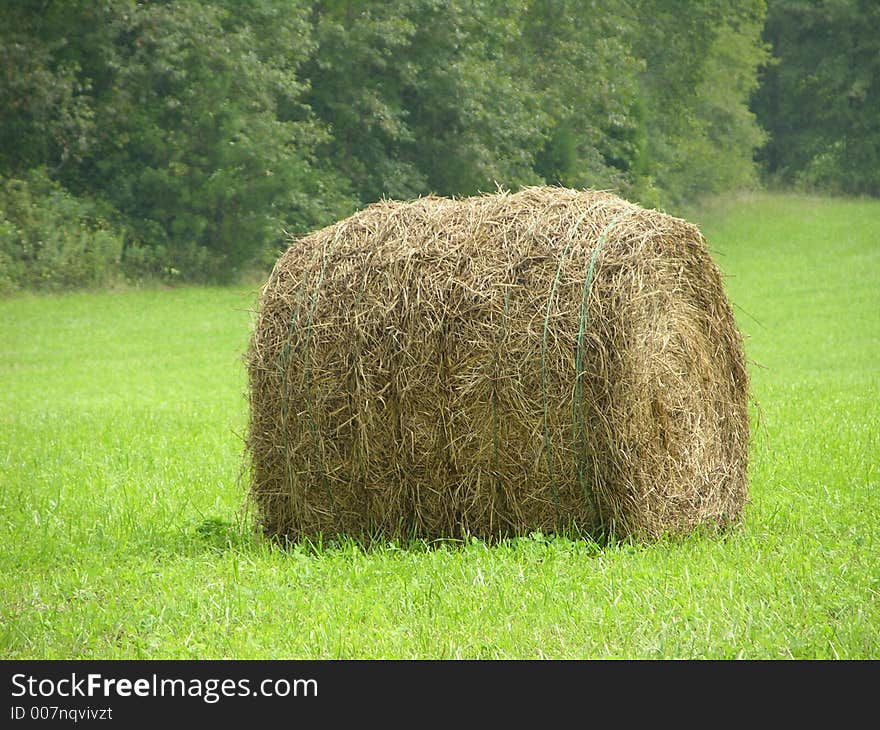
x=496 y=365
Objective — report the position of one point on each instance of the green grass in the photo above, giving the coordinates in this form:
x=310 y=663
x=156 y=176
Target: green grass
x=121 y=417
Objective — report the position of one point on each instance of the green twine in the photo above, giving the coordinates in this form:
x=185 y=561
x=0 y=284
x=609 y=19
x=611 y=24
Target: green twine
x=553 y=287
x=577 y=404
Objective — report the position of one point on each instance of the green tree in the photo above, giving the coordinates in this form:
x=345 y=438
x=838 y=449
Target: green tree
x=201 y=129
x=192 y=123
x=580 y=64
x=701 y=66
x=45 y=113
x=421 y=97
x=820 y=99
x=211 y=150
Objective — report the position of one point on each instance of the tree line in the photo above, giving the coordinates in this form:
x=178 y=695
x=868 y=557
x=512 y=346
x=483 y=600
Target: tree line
x=181 y=139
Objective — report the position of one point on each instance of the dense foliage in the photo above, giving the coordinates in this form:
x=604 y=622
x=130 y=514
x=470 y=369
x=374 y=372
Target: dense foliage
x=193 y=133
x=820 y=100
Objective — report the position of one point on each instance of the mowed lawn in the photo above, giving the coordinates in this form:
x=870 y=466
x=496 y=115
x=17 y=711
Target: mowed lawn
x=121 y=487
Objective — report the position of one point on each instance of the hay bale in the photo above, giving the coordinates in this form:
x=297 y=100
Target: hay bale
x=496 y=365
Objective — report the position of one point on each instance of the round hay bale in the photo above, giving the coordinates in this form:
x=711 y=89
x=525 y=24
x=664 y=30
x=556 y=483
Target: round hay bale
x=497 y=365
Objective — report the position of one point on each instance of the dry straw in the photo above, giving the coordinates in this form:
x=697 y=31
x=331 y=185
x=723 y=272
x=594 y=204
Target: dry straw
x=496 y=365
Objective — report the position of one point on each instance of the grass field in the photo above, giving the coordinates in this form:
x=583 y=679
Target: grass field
x=121 y=416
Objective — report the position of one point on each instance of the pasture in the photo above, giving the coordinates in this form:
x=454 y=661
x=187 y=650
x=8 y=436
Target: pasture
x=121 y=486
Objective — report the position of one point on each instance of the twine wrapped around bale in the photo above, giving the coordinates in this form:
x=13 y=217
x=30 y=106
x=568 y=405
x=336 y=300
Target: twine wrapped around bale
x=493 y=366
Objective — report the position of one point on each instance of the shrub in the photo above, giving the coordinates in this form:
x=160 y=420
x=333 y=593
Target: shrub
x=50 y=239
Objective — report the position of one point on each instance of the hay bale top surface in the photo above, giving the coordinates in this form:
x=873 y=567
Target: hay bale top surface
x=494 y=365
x=485 y=228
